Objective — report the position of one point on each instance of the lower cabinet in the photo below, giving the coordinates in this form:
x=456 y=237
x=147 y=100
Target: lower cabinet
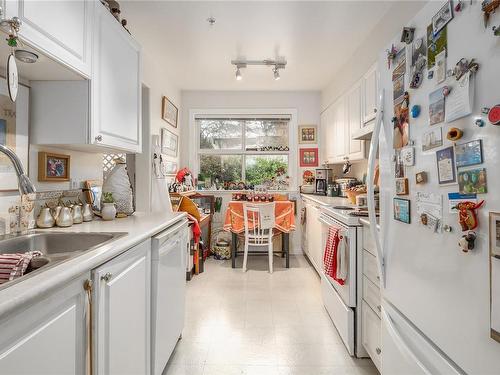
x=48 y=337
x=122 y=292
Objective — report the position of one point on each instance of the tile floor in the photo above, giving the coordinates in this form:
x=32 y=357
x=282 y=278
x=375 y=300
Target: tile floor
x=255 y=323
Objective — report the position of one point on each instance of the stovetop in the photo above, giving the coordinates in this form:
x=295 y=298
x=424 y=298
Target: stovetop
x=345 y=214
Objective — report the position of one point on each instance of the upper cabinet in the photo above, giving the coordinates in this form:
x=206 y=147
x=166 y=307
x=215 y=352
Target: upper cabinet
x=115 y=85
x=341 y=120
x=370 y=88
x=103 y=112
x=356 y=149
x=60 y=30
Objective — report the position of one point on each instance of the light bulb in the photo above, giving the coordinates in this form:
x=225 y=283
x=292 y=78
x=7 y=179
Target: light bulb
x=276 y=74
x=239 y=77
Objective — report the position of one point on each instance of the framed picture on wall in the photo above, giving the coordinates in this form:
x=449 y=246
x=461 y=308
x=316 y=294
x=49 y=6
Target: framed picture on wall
x=308 y=157
x=169 y=142
x=307 y=134
x=169 y=112
x=53 y=167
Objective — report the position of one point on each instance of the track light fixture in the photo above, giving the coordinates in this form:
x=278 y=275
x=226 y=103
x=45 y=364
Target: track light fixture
x=276 y=64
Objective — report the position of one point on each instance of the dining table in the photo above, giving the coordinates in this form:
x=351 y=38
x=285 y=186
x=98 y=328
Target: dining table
x=234 y=222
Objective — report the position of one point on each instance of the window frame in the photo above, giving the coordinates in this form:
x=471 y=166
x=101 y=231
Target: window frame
x=195 y=151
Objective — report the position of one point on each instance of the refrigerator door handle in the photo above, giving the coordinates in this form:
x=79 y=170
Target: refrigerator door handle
x=371 y=187
x=401 y=344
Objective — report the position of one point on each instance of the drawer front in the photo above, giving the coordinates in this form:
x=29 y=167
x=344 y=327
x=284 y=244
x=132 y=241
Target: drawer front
x=341 y=315
x=368 y=242
x=371 y=295
x=370 y=269
x=371 y=338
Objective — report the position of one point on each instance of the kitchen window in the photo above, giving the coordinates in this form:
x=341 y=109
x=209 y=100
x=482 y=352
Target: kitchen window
x=250 y=149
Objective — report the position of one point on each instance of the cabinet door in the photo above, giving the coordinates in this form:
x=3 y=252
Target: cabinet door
x=122 y=290
x=340 y=130
x=356 y=149
x=48 y=337
x=116 y=85
x=370 y=87
x=371 y=333
x=330 y=133
x=59 y=29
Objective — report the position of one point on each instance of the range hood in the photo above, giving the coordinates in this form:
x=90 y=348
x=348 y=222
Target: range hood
x=365 y=133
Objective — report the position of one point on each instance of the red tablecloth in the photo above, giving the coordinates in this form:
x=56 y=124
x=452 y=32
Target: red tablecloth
x=283 y=210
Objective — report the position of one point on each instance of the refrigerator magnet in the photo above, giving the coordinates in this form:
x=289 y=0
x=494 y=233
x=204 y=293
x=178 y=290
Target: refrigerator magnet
x=446 y=167
x=402 y=210
x=401 y=186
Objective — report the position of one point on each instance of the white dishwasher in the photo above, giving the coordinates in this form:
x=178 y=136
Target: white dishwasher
x=168 y=287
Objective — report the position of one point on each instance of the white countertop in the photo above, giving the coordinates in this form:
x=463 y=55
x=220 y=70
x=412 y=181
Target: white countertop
x=138 y=227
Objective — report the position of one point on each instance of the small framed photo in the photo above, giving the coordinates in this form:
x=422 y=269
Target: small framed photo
x=307 y=134
x=309 y=157
x=472 y=181
x=470 y=153
x=401 y=186
x=169 y=142
x=442 y=17
x=402 y=210
x=446 y=167
x=421 y=177
x=53 y=167
x=495 y=234
x=169 y=112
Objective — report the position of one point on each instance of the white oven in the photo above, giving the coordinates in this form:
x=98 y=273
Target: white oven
x=340 y=300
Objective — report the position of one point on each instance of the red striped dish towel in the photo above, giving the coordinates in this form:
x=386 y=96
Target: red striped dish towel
x=334 y=256
x=13 y=266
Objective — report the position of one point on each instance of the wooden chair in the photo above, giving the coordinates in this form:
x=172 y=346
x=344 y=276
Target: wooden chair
x=259 y=222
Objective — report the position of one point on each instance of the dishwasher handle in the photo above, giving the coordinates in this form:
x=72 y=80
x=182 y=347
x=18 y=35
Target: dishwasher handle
x=164 y=236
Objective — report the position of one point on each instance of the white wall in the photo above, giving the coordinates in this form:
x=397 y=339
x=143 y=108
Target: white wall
x=158 y=84
x=367 y=53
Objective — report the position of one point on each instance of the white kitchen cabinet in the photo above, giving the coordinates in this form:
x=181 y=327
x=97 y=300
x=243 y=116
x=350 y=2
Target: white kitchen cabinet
x=370 y=88
x=48 y=337
x=340 y=131
x=355 y=148
x=327 y=123
x=61 y=30
x=313 y=227
x=115 y=85
x=371 y=300
x=122 y=289
x=103 y=113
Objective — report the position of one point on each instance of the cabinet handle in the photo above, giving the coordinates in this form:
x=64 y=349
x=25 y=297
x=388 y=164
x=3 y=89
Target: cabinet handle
x=374 y=110
x=378 y=278
x=87 y=286
x=98 y=138
x=379 y=308
x=107 y=277
x=378 y=351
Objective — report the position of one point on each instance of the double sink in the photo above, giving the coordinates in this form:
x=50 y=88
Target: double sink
x=56 y=247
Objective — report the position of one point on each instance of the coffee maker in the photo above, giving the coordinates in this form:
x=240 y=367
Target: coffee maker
x=323 y=178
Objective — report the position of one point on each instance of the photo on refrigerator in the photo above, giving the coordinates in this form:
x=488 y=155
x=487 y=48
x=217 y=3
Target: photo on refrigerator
x=402 y=210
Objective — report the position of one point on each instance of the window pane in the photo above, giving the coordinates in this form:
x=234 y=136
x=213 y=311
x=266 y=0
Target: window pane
x=263 y=168
x=221 y=167
x=266 y=135
x=220 y=134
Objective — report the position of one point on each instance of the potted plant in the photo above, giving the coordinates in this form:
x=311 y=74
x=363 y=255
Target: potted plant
x=108 y=210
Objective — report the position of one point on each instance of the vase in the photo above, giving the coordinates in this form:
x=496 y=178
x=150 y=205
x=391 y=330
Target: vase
x=108 y=211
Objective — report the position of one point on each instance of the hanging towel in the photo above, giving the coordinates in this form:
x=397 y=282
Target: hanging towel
x=13 y=266
x=196 y=229
x=334 y=258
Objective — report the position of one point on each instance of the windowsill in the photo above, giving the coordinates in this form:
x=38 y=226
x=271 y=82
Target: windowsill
x=240 y=191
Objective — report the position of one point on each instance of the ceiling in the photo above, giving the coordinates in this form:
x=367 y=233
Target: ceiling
x=316 y=38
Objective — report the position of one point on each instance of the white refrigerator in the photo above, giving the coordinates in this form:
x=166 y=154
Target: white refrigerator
x=435 y=297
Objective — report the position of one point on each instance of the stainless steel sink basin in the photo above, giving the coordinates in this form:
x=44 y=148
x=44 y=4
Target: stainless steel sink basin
x=56 y=247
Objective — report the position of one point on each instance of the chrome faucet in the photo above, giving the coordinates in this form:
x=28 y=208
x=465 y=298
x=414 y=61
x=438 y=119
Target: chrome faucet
x=25 y=184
